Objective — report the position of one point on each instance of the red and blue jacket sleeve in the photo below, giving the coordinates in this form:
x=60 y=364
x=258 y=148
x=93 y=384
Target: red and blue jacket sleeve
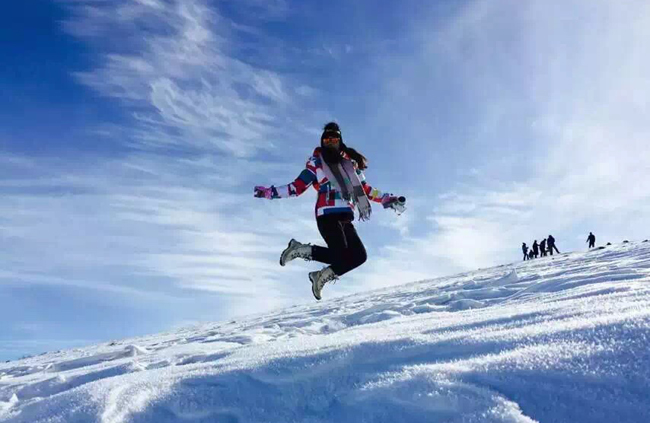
x=306 y=178
x=373 y=193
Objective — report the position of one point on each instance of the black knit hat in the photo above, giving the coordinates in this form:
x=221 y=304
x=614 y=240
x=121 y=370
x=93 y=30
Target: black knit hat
x=332 y=128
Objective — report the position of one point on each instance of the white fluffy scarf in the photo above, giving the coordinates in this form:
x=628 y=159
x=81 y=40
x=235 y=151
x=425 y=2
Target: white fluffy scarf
x=344 y=177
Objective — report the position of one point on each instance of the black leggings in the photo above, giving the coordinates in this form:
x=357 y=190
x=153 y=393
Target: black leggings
x=344 y=251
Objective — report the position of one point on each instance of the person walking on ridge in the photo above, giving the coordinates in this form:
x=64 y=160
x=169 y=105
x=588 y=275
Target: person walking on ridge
x=335 y=171
x=542 y=248
x=535 y=249
x=551 y=245
x=591 y=239
x=524 y=249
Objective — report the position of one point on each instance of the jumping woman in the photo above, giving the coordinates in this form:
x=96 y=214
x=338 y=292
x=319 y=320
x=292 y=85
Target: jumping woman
x=336 y=172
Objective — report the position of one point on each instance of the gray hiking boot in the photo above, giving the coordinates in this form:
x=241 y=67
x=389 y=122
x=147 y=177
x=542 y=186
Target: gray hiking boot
x=319 y=279
x=295 y=250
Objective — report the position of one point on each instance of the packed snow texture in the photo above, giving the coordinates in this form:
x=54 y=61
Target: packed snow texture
x=557 y=339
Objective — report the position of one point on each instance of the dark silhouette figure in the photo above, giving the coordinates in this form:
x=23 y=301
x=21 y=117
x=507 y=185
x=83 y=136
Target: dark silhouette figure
x=591 y=239
x=530 y=254
x=524 y=248
x=535 y=249
x=542 y=248
x=551 y=245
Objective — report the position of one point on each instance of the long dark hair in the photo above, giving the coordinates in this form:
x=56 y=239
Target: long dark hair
x=335 y=157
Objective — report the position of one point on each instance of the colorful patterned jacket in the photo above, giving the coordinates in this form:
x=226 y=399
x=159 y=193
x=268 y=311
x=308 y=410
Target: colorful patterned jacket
x=329 y=199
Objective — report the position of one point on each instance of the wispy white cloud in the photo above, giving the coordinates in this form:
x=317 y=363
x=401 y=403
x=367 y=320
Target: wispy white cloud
x=149 y=215
x=173 y=63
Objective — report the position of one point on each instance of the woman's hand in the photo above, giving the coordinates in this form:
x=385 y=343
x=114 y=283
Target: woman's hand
x=397 y=203
x=389 y=199
x=263 y=192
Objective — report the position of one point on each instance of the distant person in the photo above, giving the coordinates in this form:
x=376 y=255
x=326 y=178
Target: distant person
x=551 y=245
x=535 y=249
x=524 y=248
x=530 y=254
x=542 y=248
x=591 y=239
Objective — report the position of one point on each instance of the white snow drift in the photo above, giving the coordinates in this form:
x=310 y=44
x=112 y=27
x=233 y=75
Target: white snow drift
x=563 y=339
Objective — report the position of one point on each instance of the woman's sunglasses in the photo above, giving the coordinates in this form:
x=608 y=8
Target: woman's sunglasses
x=331 y=139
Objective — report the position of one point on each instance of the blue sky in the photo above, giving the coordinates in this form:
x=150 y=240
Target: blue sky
x=132 y=133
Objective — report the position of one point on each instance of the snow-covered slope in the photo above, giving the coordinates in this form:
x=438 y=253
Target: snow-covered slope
x=551 y=340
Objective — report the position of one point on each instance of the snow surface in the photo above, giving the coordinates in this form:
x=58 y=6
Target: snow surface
x=563 y=339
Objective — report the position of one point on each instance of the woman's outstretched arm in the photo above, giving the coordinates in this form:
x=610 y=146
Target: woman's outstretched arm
x=373 y=193
x=306 y=178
